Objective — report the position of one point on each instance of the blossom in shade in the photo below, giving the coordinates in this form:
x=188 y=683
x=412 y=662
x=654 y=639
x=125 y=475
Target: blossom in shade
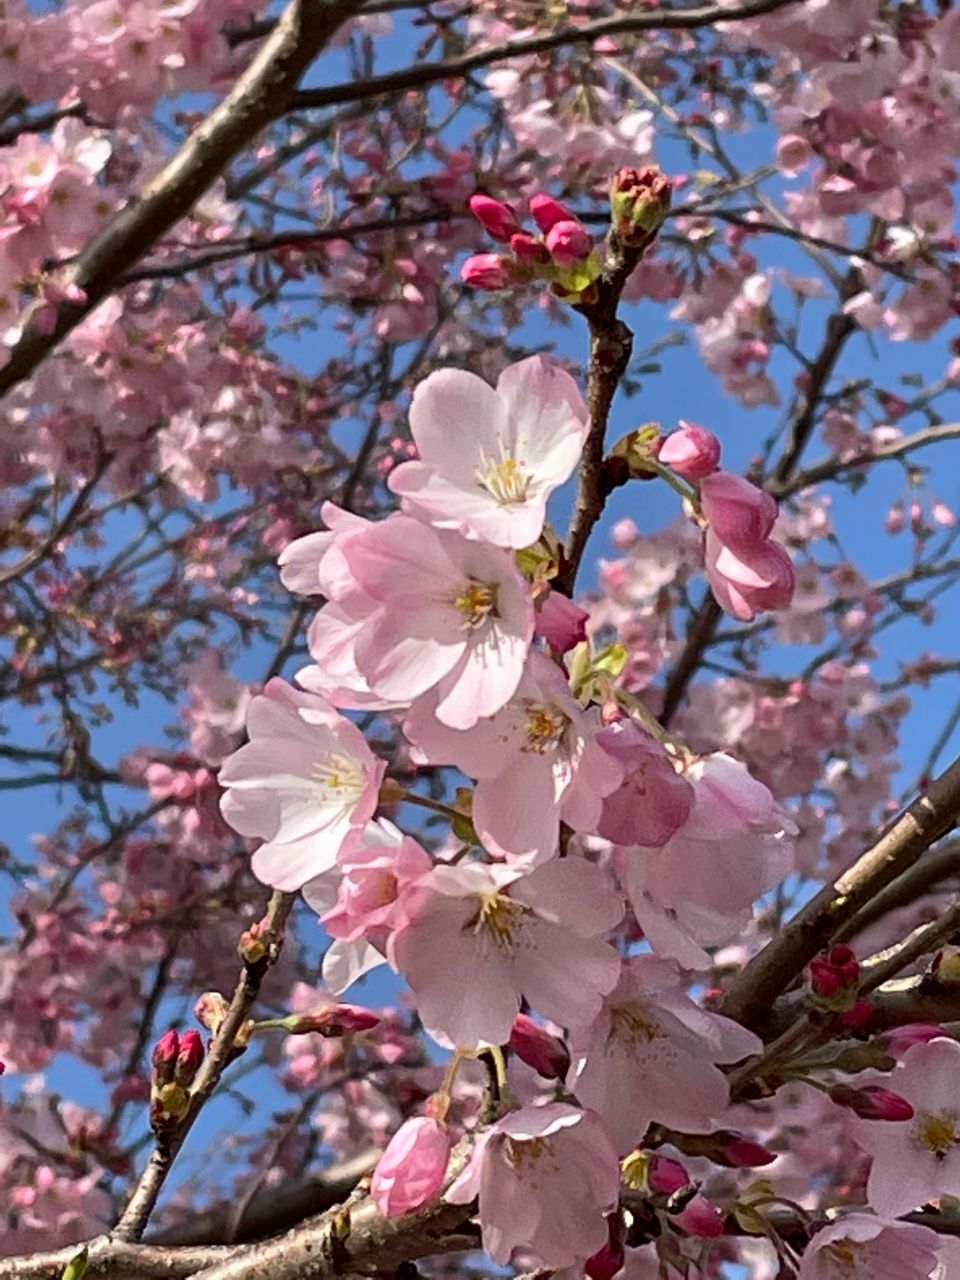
x=306 y=784
x=858 y=1246
x=652 y=1053
x=537 y=763
x=484 y=937
x=489 y=459
x=545 y=1177
x=411 y=1170
x=917 y=1160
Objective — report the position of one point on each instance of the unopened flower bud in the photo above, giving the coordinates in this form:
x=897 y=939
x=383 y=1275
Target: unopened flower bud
x=639 y=202
x=546 y=212
x=835 y=974
x=692 y=452
x=529 y=249
x=569 y=241
x=210 y=1010
x=164 y=1058
x=666 y=1176
x=737 y=1152
x=411 y=1170
x=252 y=946
x=872 y=1102
x=534 y=1045
x=487 y=271
x=699 y=1217
x=608 y=1261
x=335 y=1020
x=496 y=218
x=189 y=1057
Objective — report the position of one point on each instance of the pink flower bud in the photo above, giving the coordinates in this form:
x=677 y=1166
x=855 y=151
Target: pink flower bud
x=569 y=242
x=529 y=249
x=608 y=1261
x=639 y=202
x=496 y=218
x=164 y=1057
x=562 y=623
x=411 y=1170
x=547 y=212
x=872 y=1102
x=693 y=451
x=189 y=1057
x=665 y=1176
x=547 y=1054
x=740 y=1153
x=835 y=972
x=210 y=1010
x=740 y=514
x=337 y=1020
x=486 y=271
x=700 y=1218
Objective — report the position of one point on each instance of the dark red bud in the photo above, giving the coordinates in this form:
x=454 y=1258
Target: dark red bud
x=534 y=1045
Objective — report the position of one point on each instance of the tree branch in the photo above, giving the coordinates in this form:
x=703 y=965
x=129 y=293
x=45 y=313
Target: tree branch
x=905 y=840
x=261 y=95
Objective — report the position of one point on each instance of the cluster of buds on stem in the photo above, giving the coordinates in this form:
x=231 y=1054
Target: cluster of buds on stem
x=639 y=202
x=834 y=978
x=563 y=253
x=175 y=1062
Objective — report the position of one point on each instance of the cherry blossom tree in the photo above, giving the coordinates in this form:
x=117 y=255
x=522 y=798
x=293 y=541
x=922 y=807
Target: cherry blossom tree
x=480 y=511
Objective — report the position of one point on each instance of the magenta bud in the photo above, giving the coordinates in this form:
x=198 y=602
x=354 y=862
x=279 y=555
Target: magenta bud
x=569 y=242
x=693 y=451
x=535 y=1046
x=740 y=1153
x=189 y=1057
x=496 y=218
x=700 y=1218
x=608 y=1261
x=164 y=1057
x=836 y=972
x=487 y=271
x=529 y=249
x=337 y=1020
x=872 y=1102
x=665 y=1176
x=547 y=212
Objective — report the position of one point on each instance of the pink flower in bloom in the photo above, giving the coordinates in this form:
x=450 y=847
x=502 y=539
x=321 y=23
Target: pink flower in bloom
x=651 y=1053
x=306 y=784
x=426 y=609
x=917 y=1160
x=859 y=1246
x=732 y=848
x=546 y=1177
x=489 y=459
x=484 y=937
x=537 y=763
x=654 y=800
x=411 y=1170
x=375 y=887
x=692 y=451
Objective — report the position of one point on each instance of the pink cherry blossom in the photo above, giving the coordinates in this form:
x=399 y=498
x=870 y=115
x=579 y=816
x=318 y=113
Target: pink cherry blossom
x=858 y=1246
x=749 y=580
x=486 y=936
x=651 y=1053
x=545 y=1177
x=653 y=801
x=489 y=459
x=306 y=784
x=537 y=763
x=411 y=1170
x=691 y=451
x=917 y=1160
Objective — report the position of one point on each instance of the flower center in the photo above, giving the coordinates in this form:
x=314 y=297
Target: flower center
x=545 y=727
x=628 y=1023
x=501 y=919
x=338 y=779
x=936 y=1131
x=505 y=480
x=524 y=1154
x=477 y=601
x=846 y=1257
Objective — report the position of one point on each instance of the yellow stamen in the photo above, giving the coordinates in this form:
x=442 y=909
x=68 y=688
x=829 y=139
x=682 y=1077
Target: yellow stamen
x=505 y=480
x=477 y=602
x=937 y=1131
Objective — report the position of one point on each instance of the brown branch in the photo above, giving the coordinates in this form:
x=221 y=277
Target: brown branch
x=262 y=94
x=903 y=843
x=135 y=1217
x=831 y=468
x=923 y=877
x=419 y=77
x=112 y=1259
